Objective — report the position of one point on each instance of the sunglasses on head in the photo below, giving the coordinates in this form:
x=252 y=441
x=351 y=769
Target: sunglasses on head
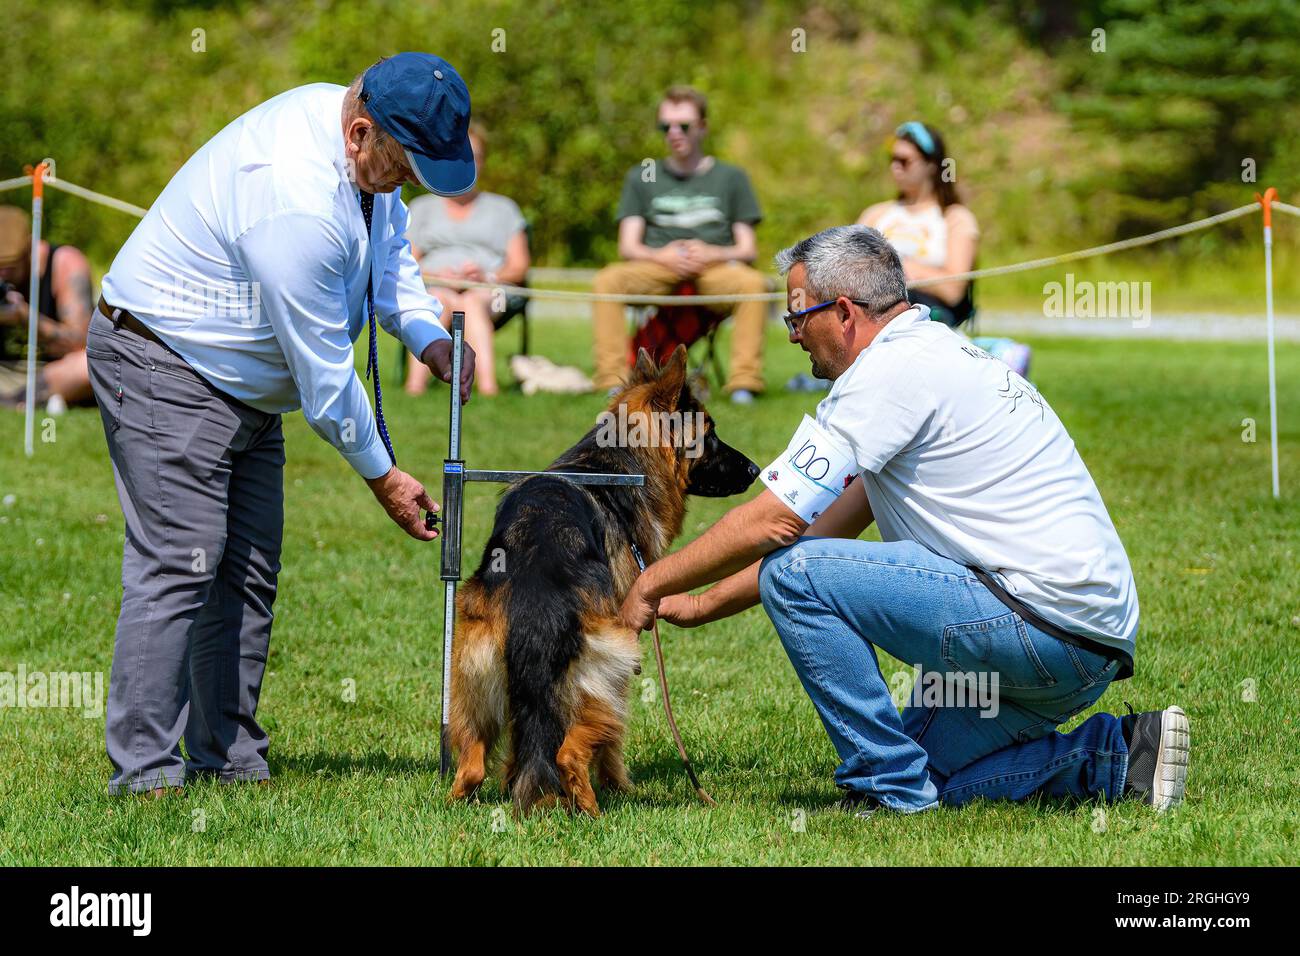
x=684 y=127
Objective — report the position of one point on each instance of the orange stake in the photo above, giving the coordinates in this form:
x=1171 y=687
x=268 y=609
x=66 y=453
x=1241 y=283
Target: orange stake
x=38 y=179
x=33 y=302
x=1266 y=203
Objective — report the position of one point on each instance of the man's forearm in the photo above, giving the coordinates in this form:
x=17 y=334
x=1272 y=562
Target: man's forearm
x=56 y=339
x=847 y=517
x=730 y=546
x=59 y=338
x=731 y=595
x=735 y=253
x=638 y=251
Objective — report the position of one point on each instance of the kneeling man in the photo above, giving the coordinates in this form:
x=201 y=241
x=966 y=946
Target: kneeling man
x=999 y=565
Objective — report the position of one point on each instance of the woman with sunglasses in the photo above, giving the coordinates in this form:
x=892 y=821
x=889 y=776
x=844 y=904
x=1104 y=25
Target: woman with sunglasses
x=934 y=234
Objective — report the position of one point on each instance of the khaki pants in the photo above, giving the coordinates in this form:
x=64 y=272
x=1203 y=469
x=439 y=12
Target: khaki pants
x=13 y=375
x=610 y=335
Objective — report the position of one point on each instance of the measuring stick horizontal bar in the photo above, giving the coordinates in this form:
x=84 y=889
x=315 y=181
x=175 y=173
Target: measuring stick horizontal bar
x=577 y=477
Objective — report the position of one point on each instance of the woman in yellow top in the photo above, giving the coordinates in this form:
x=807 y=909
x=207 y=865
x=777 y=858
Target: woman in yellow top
x=934 y=234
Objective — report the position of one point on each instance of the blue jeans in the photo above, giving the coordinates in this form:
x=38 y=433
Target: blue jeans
x=834 y=601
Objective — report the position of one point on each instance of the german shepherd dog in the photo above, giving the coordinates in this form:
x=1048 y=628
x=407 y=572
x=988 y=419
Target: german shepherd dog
x=541 y=649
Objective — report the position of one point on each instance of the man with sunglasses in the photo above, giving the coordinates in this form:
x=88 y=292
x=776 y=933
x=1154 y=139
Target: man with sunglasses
x=999 y=573
x=688 y=217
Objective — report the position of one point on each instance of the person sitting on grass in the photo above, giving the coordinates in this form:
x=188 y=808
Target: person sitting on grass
x=933 y=233
x=479 y=237
x=686 y=217
x=999 y=573
x=64 y=304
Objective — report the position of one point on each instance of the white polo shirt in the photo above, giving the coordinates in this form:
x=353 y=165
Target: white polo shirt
x=962 y=455
x=252 y=264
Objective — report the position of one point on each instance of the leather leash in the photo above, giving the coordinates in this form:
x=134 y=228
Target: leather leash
x=668 y=706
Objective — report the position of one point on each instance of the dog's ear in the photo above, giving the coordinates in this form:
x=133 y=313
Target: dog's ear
x=645 y=370
x=672 y=379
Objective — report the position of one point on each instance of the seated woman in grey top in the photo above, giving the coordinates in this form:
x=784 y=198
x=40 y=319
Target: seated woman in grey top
x=477 y=237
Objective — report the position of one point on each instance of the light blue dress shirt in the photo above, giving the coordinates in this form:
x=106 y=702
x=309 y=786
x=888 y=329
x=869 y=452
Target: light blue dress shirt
x=252 y=264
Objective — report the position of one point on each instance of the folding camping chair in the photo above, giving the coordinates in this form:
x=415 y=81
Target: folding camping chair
x=660 y=329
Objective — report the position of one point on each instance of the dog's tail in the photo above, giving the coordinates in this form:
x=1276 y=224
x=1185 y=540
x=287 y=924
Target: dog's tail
x=543 y=639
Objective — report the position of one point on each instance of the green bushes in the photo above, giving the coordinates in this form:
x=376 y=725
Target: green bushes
x=1056 y=146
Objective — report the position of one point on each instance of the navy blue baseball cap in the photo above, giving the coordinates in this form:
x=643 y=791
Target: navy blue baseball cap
x=420 y=101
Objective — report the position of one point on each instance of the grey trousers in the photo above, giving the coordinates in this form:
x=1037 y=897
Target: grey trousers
x=200 y=479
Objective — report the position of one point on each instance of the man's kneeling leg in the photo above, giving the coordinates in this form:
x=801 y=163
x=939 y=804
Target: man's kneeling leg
x=839 y=670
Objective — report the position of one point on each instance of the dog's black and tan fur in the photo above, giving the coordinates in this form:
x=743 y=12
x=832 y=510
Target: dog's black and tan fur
x=540 y=649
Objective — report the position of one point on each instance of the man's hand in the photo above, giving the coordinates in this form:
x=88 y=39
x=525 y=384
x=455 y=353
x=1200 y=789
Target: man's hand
x=676 y=258
x=403 y=497
x=684 y=610
x=700 y=254
x=638 y=611
x=438 y=357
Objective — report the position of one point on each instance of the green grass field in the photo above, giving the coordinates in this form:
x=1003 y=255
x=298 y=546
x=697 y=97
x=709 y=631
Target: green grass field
x=1160 y=424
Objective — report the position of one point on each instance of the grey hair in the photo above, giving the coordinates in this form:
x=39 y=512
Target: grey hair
x=853 y=261
x=354 y=107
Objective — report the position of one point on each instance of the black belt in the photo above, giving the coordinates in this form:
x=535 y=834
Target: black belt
x=123 y=319
x=1047 y=627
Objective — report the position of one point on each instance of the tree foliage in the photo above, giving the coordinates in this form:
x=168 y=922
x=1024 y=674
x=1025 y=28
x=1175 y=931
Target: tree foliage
x=1054 y=145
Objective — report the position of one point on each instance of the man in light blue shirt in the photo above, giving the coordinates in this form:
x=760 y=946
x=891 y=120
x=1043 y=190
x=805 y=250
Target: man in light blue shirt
x=236 y=299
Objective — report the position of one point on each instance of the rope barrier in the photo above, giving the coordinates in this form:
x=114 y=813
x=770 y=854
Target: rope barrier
x=74 y=189
x=1161 y=235
x=100 y=198
x=1109 y=247
x=568 y=295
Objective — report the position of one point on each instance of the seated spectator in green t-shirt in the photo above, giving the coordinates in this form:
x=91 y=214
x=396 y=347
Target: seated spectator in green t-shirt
x=479 y=237
x=686 y=217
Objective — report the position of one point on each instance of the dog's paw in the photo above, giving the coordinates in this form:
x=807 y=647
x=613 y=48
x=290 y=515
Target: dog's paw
x=461 y=790
x=616 y=784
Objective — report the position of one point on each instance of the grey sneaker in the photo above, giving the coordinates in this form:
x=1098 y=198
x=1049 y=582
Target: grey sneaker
x=1159 y=744
x=803 y=382
x=742 y=396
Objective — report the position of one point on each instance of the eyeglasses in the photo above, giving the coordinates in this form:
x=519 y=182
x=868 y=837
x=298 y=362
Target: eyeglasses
x=666 y=127
x=795 y=321
x=802 y=316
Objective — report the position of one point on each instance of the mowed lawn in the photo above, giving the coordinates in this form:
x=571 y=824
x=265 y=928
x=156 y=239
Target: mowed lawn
x=1160 y=425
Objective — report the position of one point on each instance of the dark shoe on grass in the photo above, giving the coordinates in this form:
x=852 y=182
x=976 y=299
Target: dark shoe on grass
x=1159 y=743
x=158 y=793
x=860 y=804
